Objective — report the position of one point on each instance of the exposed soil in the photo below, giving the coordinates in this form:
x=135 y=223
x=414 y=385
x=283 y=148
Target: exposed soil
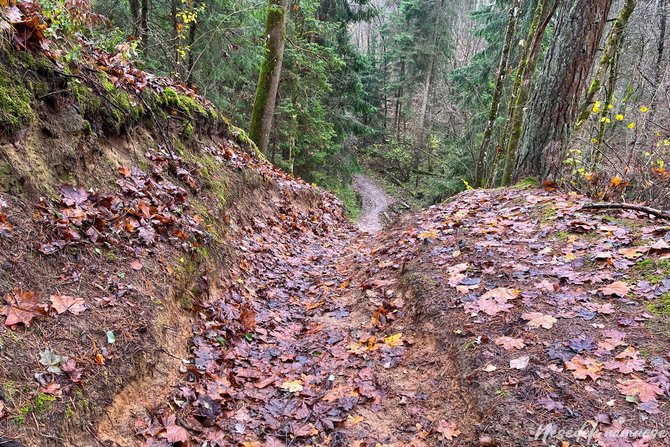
x=375 y=202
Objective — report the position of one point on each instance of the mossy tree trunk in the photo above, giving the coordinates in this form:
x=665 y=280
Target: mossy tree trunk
x=134 y=6
x=522 y=81
x=554 y=103
x=270 y=73
x=607 y=62
x=497 y=94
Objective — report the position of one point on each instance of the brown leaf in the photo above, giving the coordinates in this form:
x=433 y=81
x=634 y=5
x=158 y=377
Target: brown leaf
x=447 y=429
x=22 y=307
x=537 y=319
x=626 y=362
x=65 y=303
x=582 y=367
x=509 y=343
x=646 y=391
x=173 y=432
x=618 y=288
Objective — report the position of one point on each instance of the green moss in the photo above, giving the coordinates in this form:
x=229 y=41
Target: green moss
x=88 y=101
x=660 y=306
x=119 y=111
x=69 y=411
x=187 y=133
x=562 y=235
x=350 y=200
x=185 y=104
x=16 y=111
x=527 y=183
x=43 y=402
x=652 y=271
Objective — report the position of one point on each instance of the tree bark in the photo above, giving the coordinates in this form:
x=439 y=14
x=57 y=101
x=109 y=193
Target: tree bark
x=522 y=82
x=135 y=16
x=662 y=8
x=607 y=61
x=497 y=94
x=555 y=99
x=144 y=24
x=270 y=73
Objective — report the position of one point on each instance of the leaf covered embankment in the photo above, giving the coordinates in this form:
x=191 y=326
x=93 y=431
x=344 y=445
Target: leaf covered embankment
x=547 y=313
x=123 y=198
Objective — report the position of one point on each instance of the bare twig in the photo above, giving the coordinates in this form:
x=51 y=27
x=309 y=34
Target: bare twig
x=625 y=206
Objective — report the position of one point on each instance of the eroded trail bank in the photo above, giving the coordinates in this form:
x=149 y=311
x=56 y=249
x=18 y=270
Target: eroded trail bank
x=480 y=322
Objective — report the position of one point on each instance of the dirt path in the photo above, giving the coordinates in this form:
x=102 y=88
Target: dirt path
x=375 y=202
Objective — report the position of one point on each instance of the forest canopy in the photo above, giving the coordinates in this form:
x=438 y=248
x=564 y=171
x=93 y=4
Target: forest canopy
x=433 y=96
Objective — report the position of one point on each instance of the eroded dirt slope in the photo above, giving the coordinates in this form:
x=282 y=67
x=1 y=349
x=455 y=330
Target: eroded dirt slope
x=477 y=322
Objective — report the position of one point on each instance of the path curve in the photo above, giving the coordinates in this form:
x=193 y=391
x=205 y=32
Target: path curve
x=375 y=202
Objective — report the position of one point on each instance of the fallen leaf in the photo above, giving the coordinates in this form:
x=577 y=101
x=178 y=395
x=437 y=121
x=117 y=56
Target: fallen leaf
x=582 y=367
x=22 y=307
x=292 y=386
x=520 y=363
x=618 y=288
x=509 y=343
x=447 y=429
x=65 y=303
x=394 y=340
x=537 y=319
x=646 y=391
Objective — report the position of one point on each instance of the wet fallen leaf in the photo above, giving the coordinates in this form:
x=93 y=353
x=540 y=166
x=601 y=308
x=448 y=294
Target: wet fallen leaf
x=65 y=303
x=448 y=430
x=538 y=319
x=519 y=363
x=292 y=386
x=509 y=343
x=618 y=288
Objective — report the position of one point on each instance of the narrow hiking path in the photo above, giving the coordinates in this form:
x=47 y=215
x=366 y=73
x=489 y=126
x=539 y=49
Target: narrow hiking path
x=296 y=348
x=375 y=202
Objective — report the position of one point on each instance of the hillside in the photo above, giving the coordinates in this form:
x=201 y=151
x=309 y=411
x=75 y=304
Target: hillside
x=164 y=285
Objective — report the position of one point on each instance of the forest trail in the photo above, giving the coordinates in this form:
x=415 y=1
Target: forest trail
x=375 y=202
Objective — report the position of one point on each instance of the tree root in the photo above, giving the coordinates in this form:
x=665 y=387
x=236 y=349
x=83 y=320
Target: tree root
x=624 y=206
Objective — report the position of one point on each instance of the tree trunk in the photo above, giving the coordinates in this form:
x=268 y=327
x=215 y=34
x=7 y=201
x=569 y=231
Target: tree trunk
x=497 y=94
x=663 y=12
x=135 y=16
x=612 y=47
x=555 y=100
x=522 y=83
x=192 y=33
x=144 y=24
x=268 y=79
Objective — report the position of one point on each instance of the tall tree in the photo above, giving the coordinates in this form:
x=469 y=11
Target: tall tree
x=556 y=97
x=522 y=83
x=497 y=94
x=270 y=73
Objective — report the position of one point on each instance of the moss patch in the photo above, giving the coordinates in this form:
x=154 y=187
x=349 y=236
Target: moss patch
x=652 y=271
x=527 y=183
x=16 y=111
